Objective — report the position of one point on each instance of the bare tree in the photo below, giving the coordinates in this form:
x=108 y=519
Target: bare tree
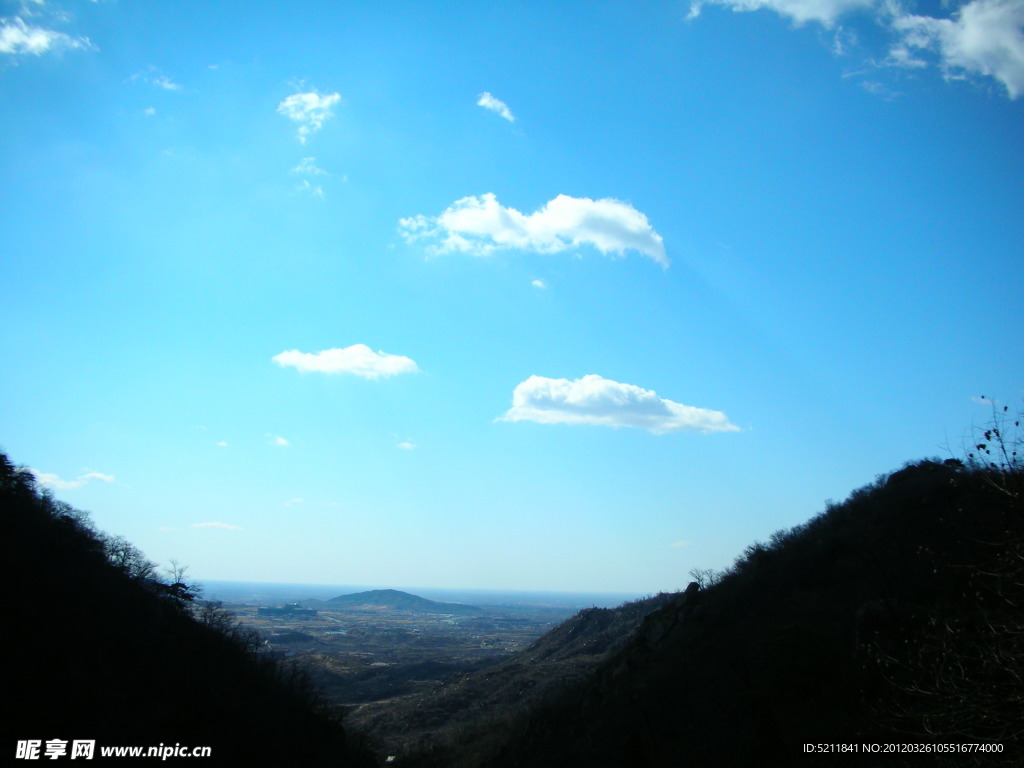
x=126 y=556
x=705 y=577
x=178 y=589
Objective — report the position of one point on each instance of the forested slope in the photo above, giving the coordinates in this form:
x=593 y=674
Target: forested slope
x=892 y=617
x=105 y=650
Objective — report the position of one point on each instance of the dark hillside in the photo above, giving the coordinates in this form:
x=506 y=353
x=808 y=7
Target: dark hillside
x=102 y=650
x=592 y=632
x=891 y=617
x=474 y=707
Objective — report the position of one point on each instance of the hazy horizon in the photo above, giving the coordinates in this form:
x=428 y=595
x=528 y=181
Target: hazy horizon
x=242 y=591
x=521 y=296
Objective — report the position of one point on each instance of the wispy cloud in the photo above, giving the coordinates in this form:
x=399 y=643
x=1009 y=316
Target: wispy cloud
x=538 y=283
x=603 y=402
x=307 y=167
x=407 y=445
x=879 y=89
x=222 y=526
x=310 y=110
x=306 y=186
x=166 y=83
x=20 y=39
x=984 y=37
x=294 y=502
x=277 y=441
x=825 y=12
x=27 y=8
x=979 y=38
x=481 y=226
x=50 y=480
x=153 y=76
x=986 y=401
x=497 y=106
x=357 y=359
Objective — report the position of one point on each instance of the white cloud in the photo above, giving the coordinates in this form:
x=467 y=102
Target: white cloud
x=825 y=12
x=149 y=111
x=18 y=38
x=277 y=440
x=879 y=89
x=27 y=9
x=843 y=41
x=166 y=83
x=596 y=400
x=50 y=480
x=307 y=166
x=315 y=190
x=481 y=225
x=985 y=37
x=154 y=76
x=358 y=359
x=310 y=110
x=222 y=526
x=293 y=502
x=901 y=55
x=538 y=283
x=407 y=445
x=495 y=105
x=222 y=444
x=680 y=544
x=981 y=37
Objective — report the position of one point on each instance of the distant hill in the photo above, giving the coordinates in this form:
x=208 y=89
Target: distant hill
x=396 y=600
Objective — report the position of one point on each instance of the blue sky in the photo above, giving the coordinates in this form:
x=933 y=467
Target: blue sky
x=567 y=296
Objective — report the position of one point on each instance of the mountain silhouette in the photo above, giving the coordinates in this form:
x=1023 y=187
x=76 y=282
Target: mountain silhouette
x=891 y=618
x=106 y=651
